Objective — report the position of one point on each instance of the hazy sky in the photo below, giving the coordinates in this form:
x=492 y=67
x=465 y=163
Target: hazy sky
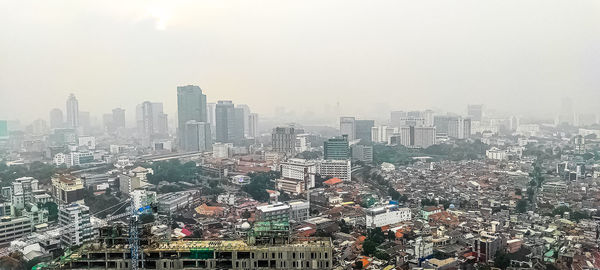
x=521 y=56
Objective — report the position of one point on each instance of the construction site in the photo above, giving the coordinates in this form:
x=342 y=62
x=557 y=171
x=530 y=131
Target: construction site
x=268 y=246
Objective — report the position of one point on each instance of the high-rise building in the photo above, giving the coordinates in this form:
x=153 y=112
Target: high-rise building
x=253 y=125
x=341 y=169
x=151 y=121
x=417 y=137
x=118 y=118
x=283 y=140
x=382 y=134
x=401 y=119
x=362 y=153
x=72 y=112
x=362 y=129
x=245 y=113
x=459 y=128
x=75 y=221
x=197 y=137
x=56 y=118
x=225 y=121
x=336 y=148
x=85 y=120
x=567 y=115
x=347 y=127
x=23 y=190
x=210 y=116
x=191 y=105
x=240 y=122
x=440 y=122
x=67 y=189
x=475 y=112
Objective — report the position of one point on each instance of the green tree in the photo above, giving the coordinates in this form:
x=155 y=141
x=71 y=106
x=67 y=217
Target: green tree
x=522 y=206
x=52 y=210
x=501 y=260
x=369 y=247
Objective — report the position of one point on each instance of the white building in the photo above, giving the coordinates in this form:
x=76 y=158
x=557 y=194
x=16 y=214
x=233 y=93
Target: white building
x=417 y=137
x=386 y=215
x=222 y=150
x=341 y=169
x=347 y=127
x=297 y=210
x=302 y=143
x=75 y=221
x=382 y=134
x=299 y=169
x=87 y=141
x=23 y=190
x=528 y=130
x=497 y=154
x=228 y=199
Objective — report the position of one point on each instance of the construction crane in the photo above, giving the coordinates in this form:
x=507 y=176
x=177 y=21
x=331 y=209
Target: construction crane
x=134 y=239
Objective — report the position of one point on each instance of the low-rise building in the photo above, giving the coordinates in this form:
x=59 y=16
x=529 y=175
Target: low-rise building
x=386 y=215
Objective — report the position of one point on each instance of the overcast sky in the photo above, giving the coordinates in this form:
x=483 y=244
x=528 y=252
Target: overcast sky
x=306 y=56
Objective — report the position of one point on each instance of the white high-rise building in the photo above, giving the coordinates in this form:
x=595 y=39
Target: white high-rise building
x=299 y=169
x=75 y=221
x=347 y=127
x=341 y=169
x=72 y=112
x=382 y=134
x=417 y=137
x=253 y=125
x=459 y=128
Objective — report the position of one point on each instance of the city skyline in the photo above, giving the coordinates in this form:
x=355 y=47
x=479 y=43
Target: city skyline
x=495 y=61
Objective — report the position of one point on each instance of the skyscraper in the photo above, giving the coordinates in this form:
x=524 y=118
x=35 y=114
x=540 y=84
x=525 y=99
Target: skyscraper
x=567 y=115
x=459 y=128
x=56 y=118
x=336 y=148
x=253 y=125
x=402 y=119
x=362 y=129
x=240 y=122
x=417 y=137
x=72 y=112
x=191 y=105
x=197 y=137
x=283 y=140
x=347 y=127
x=210 y=115
x=475 y=112
x=246 y=112
x=118 y=118
x=225 y=121
x=151 y=121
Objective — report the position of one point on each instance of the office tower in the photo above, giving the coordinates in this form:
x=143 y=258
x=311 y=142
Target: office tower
x=284 y=140
x=514 y=122
x=240 y=122
x=417 y=137
x=225 y=121
x=347 y=127
x=459 y=128
x=362 y=153
x=144 y=115
x=191 y=105
x=362 y=129
x=72 y=112
x=118 y=118
x=197 y=137
x=428 y=117
x=38 y=127
x=56 y=118
x=253 y=125
x=151 y=120
x=475 y=112
x=75 y=219
x=566 y=116
x=401 y=119
x=107 y=121
x=336 y=148
x=382 y=134
x=210 y=115
x=246 y=112
x=441 y=122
